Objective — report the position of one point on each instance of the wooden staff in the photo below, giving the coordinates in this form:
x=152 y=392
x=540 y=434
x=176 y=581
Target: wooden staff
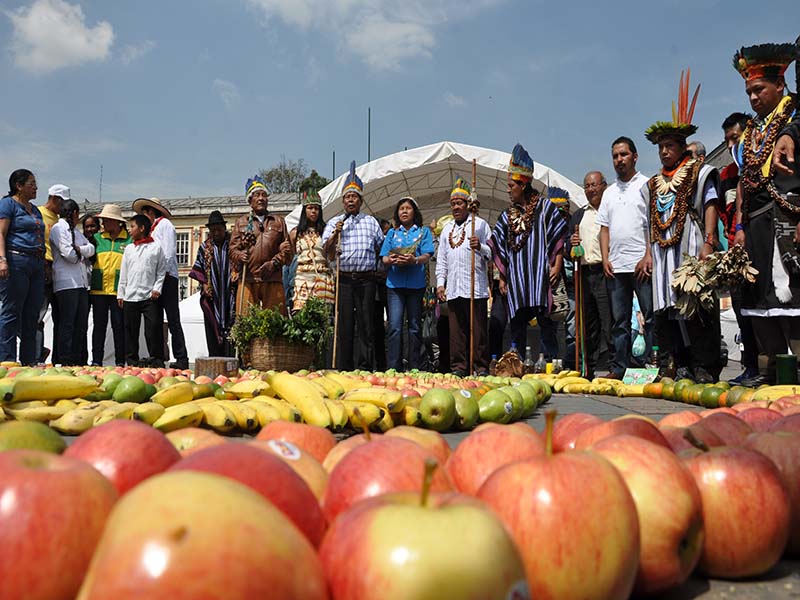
x=474 y=210
x=336 y=301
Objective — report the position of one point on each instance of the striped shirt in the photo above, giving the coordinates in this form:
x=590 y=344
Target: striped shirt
x=361 y=241
x=527 y=271
x=454 y=265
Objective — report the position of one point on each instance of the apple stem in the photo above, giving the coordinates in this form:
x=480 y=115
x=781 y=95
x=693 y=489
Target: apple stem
x=690 y=437
x=427 y=479
x=550 y=419
x=363 y=424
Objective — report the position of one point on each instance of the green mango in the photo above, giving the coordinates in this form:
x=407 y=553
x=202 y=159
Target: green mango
x=467 y=409
x=132 y=389
x=495 y=406
x=517 y=401
x=528 y=393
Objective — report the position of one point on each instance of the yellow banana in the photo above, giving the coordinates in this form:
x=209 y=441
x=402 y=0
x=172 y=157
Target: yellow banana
x=631 y=390
x=286 y=411
x=246 y=418
x=148 y=412
x=411 y=415
x=558 y=386
x=28 y=404
x=41 y=414
x=218 y=417
x=249 y=388
x=2 y=415
x=123 y=410
x=384 y=424
x=78 y=419
x=338 y=414
x=564 y=374
x=773 y=392
x=369 y=414
x=347 y=383
x=304 y=396
x=47 y=388
x=388 y=399
x=577 y=388
x=265 y=413
x=177 y=393
x=180 y=416
x=332 y=389
x=67 y=403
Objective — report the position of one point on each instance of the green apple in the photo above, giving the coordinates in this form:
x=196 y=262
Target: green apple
x=495 y=406
x=516 y=400
x=466 y=408
x=438 y=409
x=528 y=393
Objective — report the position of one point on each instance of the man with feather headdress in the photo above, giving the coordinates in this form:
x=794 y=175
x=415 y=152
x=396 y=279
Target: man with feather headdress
x=767 y=206
x=683 y=200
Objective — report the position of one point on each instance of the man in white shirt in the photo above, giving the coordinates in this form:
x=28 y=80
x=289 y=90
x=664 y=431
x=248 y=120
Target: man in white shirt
x=453 y=279
x=627 y=261
x=163 y=232
x=585 y=231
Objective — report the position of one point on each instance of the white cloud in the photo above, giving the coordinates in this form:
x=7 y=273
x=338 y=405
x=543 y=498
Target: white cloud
x=228 y=92
x=452 y=100
x=52 y=34
x=383 y=34
x=133 y=52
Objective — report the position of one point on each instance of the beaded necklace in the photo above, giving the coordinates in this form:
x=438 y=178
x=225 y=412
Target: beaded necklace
x=674 y=191
x=520 y=225
x=462 y=237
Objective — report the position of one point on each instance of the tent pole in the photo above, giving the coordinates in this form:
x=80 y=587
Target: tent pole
x=474 y=211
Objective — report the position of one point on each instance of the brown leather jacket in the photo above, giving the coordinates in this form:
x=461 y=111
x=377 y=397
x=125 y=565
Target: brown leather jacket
x=272 y=242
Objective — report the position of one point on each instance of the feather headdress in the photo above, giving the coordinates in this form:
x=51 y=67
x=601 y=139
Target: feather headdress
x=681 y=124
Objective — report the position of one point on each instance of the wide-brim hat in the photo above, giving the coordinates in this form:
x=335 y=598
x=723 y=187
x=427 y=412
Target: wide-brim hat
x=216 y=218
x=111 y=211
x=140 y=203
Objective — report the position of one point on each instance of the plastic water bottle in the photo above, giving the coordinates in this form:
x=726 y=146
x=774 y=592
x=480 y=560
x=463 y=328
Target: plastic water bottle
x=528 y=366
x=493 y=365
x=514 y=349
x=541 y=364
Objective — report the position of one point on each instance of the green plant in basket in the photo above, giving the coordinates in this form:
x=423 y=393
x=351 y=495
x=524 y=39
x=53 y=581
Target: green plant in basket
x=310 y=326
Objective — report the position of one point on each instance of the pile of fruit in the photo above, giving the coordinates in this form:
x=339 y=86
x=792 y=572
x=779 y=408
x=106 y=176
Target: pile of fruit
x=590 y=509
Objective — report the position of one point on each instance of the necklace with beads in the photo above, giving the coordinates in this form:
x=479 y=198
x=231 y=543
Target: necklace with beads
x=671 y=189
x=520 y=225
x=461 y=237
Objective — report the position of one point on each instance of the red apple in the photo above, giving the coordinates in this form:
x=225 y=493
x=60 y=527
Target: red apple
x=191 y=439
x=678 y=440
x=783 y=449
x=760 y=419
x=301 y=462
x=220 y=379
x=52 y=513
x=683 y=418
x=668 y=505
x=727 y=410
x=317 y=441
x=745 y=511
x=126 y=452
x=574 y=523
x=787 y=423
x=266 y=474
x=197 y=535
x=569 y=427
x=340 y=450
x=392 y=547
x=432 y=441
x=729 y=428
x=643 y=428
x=482 y=452
x=202 y=379
x=380 y=466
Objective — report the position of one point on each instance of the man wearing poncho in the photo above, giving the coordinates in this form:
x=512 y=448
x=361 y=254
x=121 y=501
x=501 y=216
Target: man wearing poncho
x=527 y=241
x=683 y=201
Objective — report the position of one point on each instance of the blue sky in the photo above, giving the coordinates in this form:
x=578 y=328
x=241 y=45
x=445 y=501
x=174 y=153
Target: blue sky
x=177 y=98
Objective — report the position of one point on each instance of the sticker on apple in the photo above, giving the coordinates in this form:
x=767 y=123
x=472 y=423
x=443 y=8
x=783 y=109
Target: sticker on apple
x=465 y=393
x=508 y=407
x=286 y=449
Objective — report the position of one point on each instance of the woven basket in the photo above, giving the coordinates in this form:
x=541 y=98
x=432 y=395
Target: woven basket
x=279 y=355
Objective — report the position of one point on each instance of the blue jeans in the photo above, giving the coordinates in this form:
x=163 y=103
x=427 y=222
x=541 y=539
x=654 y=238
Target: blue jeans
x=620 y=292
x=22 y=295
x=400 y=302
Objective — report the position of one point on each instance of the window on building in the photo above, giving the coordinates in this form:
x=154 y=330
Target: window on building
x=182 y=249
x=183 y=288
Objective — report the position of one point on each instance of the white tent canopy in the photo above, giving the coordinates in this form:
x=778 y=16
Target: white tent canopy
x=428 y=173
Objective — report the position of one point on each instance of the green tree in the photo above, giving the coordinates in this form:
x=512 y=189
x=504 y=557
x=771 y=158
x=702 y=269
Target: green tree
x=286 y=176
x=314 y=181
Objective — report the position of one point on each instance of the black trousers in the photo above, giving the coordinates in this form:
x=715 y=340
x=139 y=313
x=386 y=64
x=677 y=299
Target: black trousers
x=460 y=335
x=153 y=331
x=597 y=318
x=102 y=305
x=775 y=335
x=497 y=321
x=699 y=348
x=356 y=316
x=215 y=348
x=168 y=302
x=749 y=359
x=73 y=310
x=380 y=325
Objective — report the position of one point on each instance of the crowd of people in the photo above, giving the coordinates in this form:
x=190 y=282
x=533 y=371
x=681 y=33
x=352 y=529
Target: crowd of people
x=460 y=281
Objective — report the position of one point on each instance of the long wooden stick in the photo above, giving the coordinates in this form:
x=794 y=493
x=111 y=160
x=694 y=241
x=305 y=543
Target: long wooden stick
x=241 y=288
x=472 y=277
x=336 y=302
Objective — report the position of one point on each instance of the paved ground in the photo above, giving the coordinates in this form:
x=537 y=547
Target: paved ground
x=783 y=582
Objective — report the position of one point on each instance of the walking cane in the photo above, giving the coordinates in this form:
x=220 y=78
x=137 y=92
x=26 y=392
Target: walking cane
x=336 y=301
x=473 y=208
x=576 y=253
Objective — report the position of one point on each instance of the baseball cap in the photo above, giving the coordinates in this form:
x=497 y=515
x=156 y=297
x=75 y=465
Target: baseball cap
x=59 y=190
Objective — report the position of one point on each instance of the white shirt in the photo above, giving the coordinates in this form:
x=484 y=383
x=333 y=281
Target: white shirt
x=164 y=234
x=453 y=265
x=69 y=269
x=143 y=270
x=589 y=230
x=624 y=211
